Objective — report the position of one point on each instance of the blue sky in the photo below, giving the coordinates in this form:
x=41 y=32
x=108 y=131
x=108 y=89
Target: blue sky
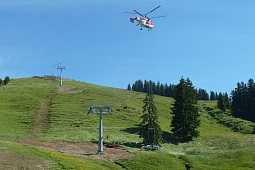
x=210 y=42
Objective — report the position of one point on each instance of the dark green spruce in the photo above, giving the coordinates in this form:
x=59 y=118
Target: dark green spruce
x=150 y=130
x=185 y=111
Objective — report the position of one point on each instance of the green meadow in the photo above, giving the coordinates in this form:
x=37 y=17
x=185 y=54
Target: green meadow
x=40 y=110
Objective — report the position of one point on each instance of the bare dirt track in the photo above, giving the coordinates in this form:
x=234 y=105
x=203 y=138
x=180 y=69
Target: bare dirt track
x=86 y=150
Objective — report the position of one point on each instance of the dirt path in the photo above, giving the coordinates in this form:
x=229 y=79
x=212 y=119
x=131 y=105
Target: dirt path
x=86 y=150
x=41 y=119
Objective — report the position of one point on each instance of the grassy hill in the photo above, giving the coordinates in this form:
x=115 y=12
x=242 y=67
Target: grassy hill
x=40 y=111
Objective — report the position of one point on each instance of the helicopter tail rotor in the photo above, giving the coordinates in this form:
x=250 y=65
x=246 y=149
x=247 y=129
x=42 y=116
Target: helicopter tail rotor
x=132 y=20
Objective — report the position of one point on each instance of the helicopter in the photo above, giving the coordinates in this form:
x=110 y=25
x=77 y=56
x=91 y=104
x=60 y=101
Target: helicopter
x=143 y=20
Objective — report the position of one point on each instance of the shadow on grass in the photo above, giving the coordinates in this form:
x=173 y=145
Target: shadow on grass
x=132 y=144
x=169 y=138
x=94 y=141
x=132 y=130
x=166 y=137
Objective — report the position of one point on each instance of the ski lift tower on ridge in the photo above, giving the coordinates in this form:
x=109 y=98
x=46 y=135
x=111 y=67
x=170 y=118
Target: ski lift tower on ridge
x=61 y=68
x=100 y=108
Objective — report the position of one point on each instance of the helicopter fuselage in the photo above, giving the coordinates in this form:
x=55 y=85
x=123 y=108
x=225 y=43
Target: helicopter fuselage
x=143 y=22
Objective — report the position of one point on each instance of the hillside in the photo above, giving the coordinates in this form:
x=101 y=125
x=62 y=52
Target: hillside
x=44 y=126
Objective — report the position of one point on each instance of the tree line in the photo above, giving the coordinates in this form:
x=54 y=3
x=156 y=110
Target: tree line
x=243 y=100
x=168 y=90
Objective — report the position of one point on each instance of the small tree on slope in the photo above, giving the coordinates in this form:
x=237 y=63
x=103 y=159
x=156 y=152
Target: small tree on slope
x=150 y=130
x=185 y=111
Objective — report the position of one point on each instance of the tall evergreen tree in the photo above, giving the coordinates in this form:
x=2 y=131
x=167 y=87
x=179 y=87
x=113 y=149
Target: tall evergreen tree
x=239 y=103
x=162 y=93
x=171 y=90
x=150 y=130
x=216 y=96
x=129 y=87
x=221 y=102
x=154 y=89
x=185 y=111
x=251 y=100
x=6 y=80
x=226 y=100
x=158 y=88
x=146 y=86
x=212 y=96
x=166 y=90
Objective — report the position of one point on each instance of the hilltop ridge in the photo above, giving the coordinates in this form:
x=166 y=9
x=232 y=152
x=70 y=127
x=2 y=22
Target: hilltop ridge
x=41 y=112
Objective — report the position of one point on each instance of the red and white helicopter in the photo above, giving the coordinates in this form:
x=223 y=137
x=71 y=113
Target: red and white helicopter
x=144 y=20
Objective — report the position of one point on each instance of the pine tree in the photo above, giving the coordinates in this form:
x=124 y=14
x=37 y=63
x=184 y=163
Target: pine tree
x=226 y=100
x=129 y=87
x=185 y=111
x=162 y=92
x=150 y=130
x=216 y=96
x=172 y=90
x=6 y=80
x=251 y=100
x=212 y=96
x=221 y=102
x=146 y=86
x=158 y=91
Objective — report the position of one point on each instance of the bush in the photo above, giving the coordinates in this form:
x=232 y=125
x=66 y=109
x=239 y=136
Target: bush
x=236 y=124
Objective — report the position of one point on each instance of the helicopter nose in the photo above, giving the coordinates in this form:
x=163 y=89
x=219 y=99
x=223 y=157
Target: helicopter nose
x=132 y=20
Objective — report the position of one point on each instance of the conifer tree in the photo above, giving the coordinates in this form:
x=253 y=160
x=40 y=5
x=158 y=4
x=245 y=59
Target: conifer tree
x=185 y=111
x=226 y=100
x=212 y=95
x=221 y=102
x=6 y=80
x=146 y=86
x=150 y=130
x=129 y=87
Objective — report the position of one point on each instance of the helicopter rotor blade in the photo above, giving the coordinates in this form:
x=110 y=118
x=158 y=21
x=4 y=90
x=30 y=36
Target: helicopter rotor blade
x=159 y=16
x=130 y=12
x=153 y=10
x=138 y=13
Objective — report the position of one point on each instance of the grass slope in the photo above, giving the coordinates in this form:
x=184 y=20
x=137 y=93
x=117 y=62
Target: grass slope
x=218 y=146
